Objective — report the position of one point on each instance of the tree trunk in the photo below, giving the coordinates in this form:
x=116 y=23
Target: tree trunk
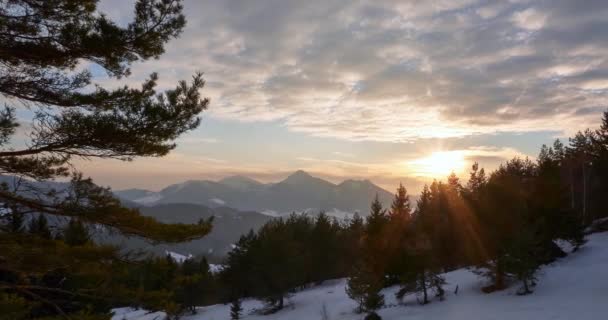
x=500 y=276
x=572 y=203
x=584 y=193
x=424 y=290
x=526 y=287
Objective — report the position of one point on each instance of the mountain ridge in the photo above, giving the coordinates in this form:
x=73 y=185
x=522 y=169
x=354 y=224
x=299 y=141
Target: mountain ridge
x=300 y=191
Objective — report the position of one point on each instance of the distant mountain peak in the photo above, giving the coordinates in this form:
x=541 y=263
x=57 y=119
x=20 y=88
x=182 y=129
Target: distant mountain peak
x=240 y=182
x=239 y=178
x=298 y=176
x=300 y=173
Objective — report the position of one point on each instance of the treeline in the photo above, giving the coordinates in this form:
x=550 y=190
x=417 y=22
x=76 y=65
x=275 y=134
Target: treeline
x=504 y=224
x=289 y=254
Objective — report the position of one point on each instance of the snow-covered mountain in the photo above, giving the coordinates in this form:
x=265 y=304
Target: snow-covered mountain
x=574 y=287
x=298 y=192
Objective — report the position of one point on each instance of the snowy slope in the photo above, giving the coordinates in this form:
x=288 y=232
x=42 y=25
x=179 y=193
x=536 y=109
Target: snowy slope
x=575 y=287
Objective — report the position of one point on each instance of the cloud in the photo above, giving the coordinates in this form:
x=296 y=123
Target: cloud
x=396 y=71
x=197 y=140
x=529 y=19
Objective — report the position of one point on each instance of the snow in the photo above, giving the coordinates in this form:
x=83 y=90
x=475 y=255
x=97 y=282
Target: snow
x=216 y=268
x=339 y=214
x=137 y=314
x=271 y=213
x=217 y=201
x=575 y=287
x=177 y=257
x=149 y=199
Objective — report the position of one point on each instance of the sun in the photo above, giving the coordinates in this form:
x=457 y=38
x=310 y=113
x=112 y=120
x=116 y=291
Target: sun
x=438 y=164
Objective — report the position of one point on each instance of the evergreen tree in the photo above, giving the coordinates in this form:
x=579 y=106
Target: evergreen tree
x=364 y=287
x=351 y=242
x=401 y=208
x=40 y=227
x=397 y=234
x=43 y=42
x=278 y=261
x=76 y=233
x=375 y=243
x=44 y=45
x=523 y=259
x=324 y=250
x=477 y=181
x=423 y=271
x=356 y=223
x=377 y=219
x=505 y=214
x=581 y=153
x=236 y=275
x=559 y=151
x=15 y=221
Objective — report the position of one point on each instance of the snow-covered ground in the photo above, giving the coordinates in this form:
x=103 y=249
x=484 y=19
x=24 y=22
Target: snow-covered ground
x=575 y=287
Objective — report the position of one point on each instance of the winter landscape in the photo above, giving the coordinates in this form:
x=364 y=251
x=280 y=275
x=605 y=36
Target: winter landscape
x=287 y=159
x=581 y=273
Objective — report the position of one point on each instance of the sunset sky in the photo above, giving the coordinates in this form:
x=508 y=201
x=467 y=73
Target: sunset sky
x=392 y=91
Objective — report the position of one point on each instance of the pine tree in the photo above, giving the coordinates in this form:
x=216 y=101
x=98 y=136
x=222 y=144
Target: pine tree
x=44 y=45
x=375 y=243
x=76 y=233
x=477 y=181
x=356 y=223
x=423 y=271
x=397 y=234
x=506 y=213
x=364 y=287
x=559 y=151
x=235 y=309
x=323 y=250
x=40 y=227
x=401 y=208
x=40 y=55
x=523 y=258
x=278 y=260
x=15 y=221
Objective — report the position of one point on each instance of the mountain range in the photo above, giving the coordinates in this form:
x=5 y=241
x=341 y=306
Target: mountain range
x=299 y=192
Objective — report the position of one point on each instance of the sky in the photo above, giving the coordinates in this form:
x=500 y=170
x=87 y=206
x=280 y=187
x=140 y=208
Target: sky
x=391 y=91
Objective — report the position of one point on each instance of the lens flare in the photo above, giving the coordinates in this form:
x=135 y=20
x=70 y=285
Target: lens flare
x=438 y=164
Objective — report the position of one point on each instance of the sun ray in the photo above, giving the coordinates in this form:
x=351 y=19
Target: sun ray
x=438 y=164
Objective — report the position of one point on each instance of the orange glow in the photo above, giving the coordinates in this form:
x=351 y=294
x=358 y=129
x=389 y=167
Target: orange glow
x=438 y=164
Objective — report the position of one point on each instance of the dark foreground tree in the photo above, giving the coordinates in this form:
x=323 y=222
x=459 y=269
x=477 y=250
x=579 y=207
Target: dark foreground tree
x=364 y=287
x=46 y=48
x=76 y=233
x=235 y=309
x=423 y=271
x=39 y=226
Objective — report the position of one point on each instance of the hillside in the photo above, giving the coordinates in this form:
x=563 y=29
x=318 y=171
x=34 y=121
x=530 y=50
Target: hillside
x=575 y=287
x=228 y=225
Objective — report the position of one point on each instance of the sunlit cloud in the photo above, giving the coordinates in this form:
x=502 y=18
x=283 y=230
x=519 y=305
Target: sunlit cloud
x=381 y=71
x=396 y=71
